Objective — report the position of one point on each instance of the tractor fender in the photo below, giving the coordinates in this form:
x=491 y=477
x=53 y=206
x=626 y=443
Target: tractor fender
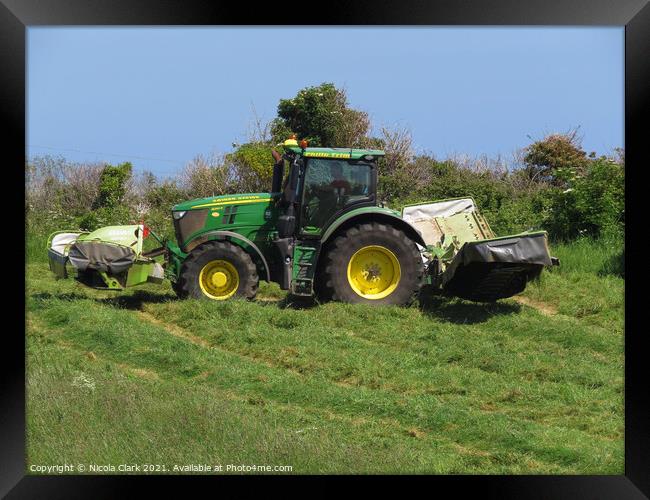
x=372 y=214
x=219 y=235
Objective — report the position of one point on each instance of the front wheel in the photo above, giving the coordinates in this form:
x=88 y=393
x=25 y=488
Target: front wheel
x=371 y=263
x=217 y=270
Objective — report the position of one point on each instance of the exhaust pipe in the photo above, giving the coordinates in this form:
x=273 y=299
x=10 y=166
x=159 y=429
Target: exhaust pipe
x=278 y=172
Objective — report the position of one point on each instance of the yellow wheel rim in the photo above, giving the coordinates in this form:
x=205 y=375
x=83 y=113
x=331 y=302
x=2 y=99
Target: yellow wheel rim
x=219 y=279
x=374 y=272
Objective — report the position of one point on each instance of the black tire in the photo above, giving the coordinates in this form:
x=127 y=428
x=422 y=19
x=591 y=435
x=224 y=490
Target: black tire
x=333 y=283
x=188 y=285
x=176 y=286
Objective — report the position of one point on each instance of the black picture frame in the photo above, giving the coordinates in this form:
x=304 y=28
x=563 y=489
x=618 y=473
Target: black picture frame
x=16 y=15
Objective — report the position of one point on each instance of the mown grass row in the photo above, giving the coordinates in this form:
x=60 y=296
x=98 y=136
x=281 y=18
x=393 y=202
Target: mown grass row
x=444 y=387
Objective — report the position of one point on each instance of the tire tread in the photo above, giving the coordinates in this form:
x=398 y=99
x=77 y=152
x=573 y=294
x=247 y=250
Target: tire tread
x=186 y=285
x=330 y=284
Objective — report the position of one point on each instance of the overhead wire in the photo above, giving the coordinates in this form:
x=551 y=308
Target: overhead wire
x=134 y=157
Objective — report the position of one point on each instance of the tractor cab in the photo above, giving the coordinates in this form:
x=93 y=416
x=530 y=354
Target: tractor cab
x=322 y=185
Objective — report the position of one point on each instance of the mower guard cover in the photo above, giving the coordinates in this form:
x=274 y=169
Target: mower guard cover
x=115 y=252
x=100 y=256
x=530 y=249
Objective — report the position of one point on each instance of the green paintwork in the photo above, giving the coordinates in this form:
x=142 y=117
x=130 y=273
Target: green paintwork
x=343 y=153
x=111 y=282
x=304 y=266
x=175 y=250
x=138 y=273
x=176 y=258
x=465 y=227
x=129 y=236
x=255 y=218
x=443 y=253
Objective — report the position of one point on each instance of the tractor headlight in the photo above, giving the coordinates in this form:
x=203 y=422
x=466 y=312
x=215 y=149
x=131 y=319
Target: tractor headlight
x=179 y=214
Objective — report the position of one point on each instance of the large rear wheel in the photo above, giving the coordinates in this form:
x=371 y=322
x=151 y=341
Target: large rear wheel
x=371 y=263
x=218 y=270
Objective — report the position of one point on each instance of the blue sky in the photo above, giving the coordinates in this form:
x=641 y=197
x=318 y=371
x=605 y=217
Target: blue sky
x=159 y=96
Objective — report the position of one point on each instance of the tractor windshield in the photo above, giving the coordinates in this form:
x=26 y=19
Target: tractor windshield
x=331 y=186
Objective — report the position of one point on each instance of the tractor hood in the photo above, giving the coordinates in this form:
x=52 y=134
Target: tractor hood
x=245 y=214
x=225 y=200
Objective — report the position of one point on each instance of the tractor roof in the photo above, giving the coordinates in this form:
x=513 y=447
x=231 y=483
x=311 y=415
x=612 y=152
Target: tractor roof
x=345 y=153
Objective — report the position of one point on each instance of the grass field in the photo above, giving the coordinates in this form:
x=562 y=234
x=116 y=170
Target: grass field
x=533 y=385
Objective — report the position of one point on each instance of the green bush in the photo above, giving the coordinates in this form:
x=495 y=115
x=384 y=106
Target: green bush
x=587 y=200
x=517 y=214
x=592 y=204
x=164 y=195
x=253 y=163
x=106 y=216
x=160 y=220
x=113 y=185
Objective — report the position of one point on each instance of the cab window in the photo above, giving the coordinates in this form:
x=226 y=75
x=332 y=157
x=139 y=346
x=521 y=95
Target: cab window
x=330 y=186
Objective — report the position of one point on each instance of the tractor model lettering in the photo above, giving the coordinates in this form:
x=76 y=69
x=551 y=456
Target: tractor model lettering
x=318 y=154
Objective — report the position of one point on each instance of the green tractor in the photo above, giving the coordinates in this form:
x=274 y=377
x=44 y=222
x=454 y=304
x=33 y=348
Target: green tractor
x=320 y=231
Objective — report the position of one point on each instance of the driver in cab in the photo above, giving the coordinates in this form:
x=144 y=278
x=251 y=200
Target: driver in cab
x=339 y=184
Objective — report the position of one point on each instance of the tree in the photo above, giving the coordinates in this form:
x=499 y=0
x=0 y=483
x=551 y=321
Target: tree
x=556 y=158
x=321 y=115
x=113 y=185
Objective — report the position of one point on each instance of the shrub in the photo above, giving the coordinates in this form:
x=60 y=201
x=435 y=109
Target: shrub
x=520 y=212
x=208 y=176
x=252 y=165
x=163 y=195
x=425 y=178
x=592 y=204
x=113 y=185
x=55 y=186
x=106 y=216
x=550 y=159
x=160 y=220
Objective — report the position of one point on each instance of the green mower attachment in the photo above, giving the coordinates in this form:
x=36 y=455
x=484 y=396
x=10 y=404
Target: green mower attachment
x=465 y=258
x=110 y=257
